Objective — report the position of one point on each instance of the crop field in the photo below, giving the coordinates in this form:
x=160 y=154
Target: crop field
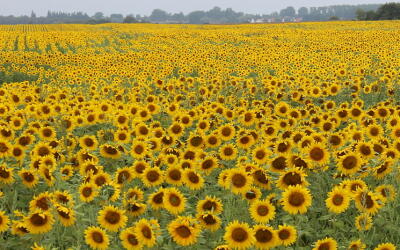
x=146 y=136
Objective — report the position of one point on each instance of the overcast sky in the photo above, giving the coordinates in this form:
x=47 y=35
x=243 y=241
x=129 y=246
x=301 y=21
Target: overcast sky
x=40 y=7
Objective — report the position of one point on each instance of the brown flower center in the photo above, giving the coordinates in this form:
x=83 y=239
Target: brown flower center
x=296 y=199
x=183 y=231
x=239 y=234
x=263 y=235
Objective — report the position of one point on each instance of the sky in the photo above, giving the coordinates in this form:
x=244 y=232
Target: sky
x=145 y=7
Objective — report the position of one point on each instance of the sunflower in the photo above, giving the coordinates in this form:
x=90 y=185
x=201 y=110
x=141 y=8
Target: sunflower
x=296 y=199
x=41 y=149
x=101 y=178
x=112 y=218
x=228 y=152
x=139 y=167
x=239 y=181
x=208 y=164
x=226 y=132
x=326 y=244
x=139 y=149
x=245 y=141
x=124 y=175
x=6 y=174
x=184 y=230
x=156 y=199
x=385 y=246
x=287 y=235
x=66 y=172
x=96 y=238
x=282 y=146
x=17 y=152
x=134 y=193
x=383 y=169
x=209 y=204
x=39 y=222
x=29 y=177
x=261 y=178
x=213 y=141
x=252 y=195
x=349 y=163
x=364 y=149
x=152 y=177
x=239 y=235
x=134 y=208
x=387 y=192
x=338 y=200
x=122 y=136
x=109 y=151
x=265 y=237
x=89 y=167
x=279 y=163
x=363 y=222
x=5 y=148
x=174 y=201
x=356 y=245
x=145 y=231
x=25 y=140
x=192 y=179
x=18 y=228
x=262 y=211
x=260 y=154
x=66 y=215
x=195 y=141
x=62 y=197
x=129 y=240
x=41 y=202
x=209 y=221
x=174 y=176
x=88 y=191
x=88 y=142
x=4 y=221
x=292 y=177
x=367 y=201
x=317 y=153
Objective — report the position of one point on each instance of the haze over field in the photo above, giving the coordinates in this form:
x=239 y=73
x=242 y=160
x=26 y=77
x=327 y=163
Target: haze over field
x=40 y=7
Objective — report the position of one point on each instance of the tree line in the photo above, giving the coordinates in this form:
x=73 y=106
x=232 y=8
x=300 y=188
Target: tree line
x=389 y=11
x=215 y=15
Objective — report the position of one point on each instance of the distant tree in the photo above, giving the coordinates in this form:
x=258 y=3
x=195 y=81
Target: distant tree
x=370 y=15
x=334 y=18
x=98 y=16
x=196 y=17
x=302 y=12
x=130 y=19
x=116 y=18
x=361 y=14
x=389 y=11
x=289 y=11
x=158 y=15
x=33 y=15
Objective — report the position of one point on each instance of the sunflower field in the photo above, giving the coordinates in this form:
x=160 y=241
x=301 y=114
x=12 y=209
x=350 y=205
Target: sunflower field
x=146 y=136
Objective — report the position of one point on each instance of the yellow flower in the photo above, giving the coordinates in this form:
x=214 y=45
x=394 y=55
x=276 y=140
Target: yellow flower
x=112 y=218
x=338 y=200
x=296 y=199
x=239 y=235
x=287 y=235
x=39 y=222
x=4 y=221
x=326 y=244
x=96 y=238
x=262 y=211
x=265 y=237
